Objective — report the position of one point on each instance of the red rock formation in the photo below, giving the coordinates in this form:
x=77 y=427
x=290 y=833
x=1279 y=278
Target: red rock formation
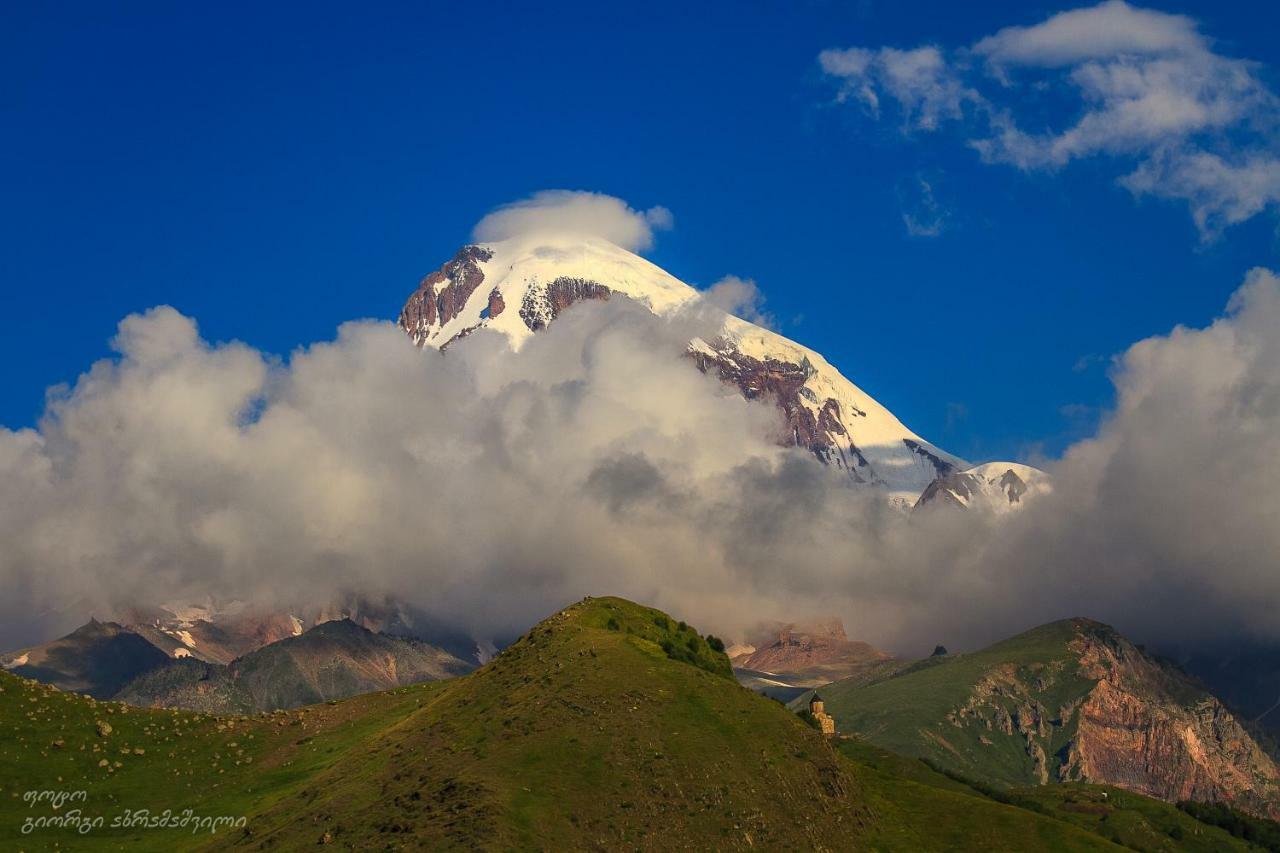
x=1136 y=734
x=1132 y=721
x=496 y=305
x=795 y=648
x=441 y=295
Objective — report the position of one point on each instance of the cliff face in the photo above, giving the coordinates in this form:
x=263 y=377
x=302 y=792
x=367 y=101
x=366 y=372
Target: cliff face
x=441 y=295
x=541 y=305
x=1147 y=728
x=1069 y=701
x=818 y=427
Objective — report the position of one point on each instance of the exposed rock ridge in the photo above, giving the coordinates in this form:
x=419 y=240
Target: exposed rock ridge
x=999 y=487
x=1128 y=721
x=942 y=466
x=541 y=305
x=441 y=295
x=1148 y=728
x=784 y=383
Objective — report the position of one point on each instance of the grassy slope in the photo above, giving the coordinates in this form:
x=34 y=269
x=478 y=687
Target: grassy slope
x=579 y=736
x=1131 y=820
x=906 y=712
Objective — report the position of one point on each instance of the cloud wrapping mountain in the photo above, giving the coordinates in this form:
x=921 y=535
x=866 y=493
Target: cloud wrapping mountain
x=576 y=212
x=488 y=486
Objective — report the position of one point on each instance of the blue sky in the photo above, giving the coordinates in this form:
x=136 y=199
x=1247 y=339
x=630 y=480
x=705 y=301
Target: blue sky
x=274 y=172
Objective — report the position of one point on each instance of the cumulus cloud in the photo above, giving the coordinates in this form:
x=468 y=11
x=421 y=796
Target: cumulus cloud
x=488 y=488
x=1165 y=520
x=1219 y=192
x=1104 y=31
x=1138 y=85
x=575 y=213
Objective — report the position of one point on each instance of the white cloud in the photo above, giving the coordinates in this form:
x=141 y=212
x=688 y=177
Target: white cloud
x=1144 y=87
x=575 y=213
x=920 y=80
x=1104 y=31
x=1220 y=193
x=741 y=298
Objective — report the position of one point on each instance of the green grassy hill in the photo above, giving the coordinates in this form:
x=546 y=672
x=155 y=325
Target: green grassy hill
x=608 y=726
x=907 y=712
x=1068 y=701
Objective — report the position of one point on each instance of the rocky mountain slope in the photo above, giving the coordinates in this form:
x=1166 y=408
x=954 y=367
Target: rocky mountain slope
x=210 y=633
x=331 y=661
x=221 y=631
x=97 y=659
x=147 y=665
x=782 y=660
x=1072 y=700
x=518 y=287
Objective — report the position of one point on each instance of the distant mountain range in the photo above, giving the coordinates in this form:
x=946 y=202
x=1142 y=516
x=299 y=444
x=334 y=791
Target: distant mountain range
x=332 y=660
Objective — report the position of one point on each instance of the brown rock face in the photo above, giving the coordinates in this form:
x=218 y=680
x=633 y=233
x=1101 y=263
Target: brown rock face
x=795 y=648
x=1105 y=712
x=442 y=294
x=1137 y=732
x=783 y=382
x=496 y=305
x=541 y=306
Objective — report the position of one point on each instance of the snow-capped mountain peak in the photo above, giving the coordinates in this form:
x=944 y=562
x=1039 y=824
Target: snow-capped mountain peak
x=518 y=287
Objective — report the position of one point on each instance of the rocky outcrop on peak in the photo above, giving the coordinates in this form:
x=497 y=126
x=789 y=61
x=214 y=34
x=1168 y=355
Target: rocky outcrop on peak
x=496 y=306
x=441 y=295
x=942 y=466
x=541 y=305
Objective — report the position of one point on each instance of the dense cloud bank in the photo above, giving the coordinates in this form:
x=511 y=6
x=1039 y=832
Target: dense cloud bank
x=490 y=487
